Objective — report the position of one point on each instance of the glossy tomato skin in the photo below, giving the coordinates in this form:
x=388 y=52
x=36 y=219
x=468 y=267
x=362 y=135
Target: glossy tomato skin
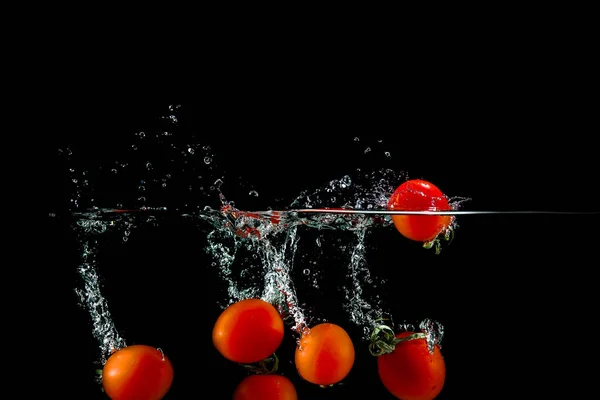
x=137 y=372
x=248 y=331
x=410 y=372
x=325 y=355
x=265 y=387
x=419 y=195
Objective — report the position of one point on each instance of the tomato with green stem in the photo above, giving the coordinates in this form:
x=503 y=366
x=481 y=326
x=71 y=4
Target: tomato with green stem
x=248 y=331
x=137 y=372
x=420 y=195
x=325 y=354
x=407 y=367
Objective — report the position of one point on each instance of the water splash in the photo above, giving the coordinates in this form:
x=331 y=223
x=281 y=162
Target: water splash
x=278 y=261
x=362 y=311
x=273 y=245
x=254 y=255
x=91 y=298
x=434 y=331
x=254 y=250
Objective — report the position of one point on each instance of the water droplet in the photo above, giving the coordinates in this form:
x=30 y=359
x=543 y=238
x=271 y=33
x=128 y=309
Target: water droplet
x=207 y=160
x=114 y=170
x=253 y=193
x=134 y=147
x=142 y=135
x=149 y=166
x=387 y=154
x=356 y=139
x=306 y=271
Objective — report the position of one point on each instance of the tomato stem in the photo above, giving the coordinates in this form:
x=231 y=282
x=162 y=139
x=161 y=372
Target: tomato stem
x=262 y=367
x=447 y=235
x=384 y=340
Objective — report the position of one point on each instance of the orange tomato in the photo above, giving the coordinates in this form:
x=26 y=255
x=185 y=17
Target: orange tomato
x=410 y=372
x=265 y=387
x=248 y=331
x=419 y=195
x=137 y=372
x=325 y=354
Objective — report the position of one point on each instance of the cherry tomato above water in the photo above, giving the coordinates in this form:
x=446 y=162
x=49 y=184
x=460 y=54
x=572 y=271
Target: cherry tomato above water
x=325 y=355
x=419 y=195
x=410 y=372
x=265 y=387
x=137 y=372
x=248 y=331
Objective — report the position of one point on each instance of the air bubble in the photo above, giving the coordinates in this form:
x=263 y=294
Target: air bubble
x=207 y=160
x=253 y=193
x=387 y=154
x=306 y=271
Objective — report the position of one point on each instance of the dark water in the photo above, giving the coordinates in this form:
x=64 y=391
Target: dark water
x=514 y=294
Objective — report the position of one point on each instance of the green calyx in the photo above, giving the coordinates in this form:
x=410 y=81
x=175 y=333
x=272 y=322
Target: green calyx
x=384 y=340
x=269 y=365
x=448 y=236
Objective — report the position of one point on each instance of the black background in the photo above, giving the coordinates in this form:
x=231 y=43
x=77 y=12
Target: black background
x=514 y=293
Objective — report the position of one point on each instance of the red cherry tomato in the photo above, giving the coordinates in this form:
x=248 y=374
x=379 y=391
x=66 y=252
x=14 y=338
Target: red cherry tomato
x=137 y=372
x=410 y=372
x=248 y=331
x=420 y=195
x=265 y=387
x=325 y=354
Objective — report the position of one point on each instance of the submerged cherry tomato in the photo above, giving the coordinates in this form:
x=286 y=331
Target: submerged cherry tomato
x=419 y=195
x=265 y=387
x=410 y=372
x=137 y=372
x=325 y=354
x=248 y=331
